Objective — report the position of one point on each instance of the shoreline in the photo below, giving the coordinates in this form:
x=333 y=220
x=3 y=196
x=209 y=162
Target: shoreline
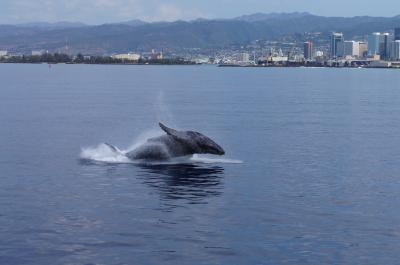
x=308 y=66
x=199 y=64
x=127 y=64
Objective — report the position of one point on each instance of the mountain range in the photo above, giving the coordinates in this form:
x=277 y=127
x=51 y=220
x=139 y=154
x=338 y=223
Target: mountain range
x=197 y=34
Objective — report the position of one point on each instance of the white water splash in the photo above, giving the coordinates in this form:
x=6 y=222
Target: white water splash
x=103 y=153
x=213 y=160
x=142 y=138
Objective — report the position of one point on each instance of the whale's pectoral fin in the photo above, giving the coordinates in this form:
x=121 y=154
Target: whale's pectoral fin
x=168 y=131
x=114 y=149
x=177 y=135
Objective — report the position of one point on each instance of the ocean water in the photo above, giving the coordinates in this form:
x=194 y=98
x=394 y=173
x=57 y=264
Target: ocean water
x=311 y=173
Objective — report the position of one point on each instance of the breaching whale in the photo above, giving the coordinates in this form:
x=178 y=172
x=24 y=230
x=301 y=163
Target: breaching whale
x=173 y=144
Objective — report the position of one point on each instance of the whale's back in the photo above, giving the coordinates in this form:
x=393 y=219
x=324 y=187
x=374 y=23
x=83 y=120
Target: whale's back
x=160 y=148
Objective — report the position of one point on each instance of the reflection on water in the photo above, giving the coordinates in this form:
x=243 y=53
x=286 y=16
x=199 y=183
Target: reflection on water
x=183 y=181
x=186 y=181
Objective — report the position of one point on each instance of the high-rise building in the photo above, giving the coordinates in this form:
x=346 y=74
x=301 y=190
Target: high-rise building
x=384 y=46
x=244 y=57
x=397 y=34
x=308 y=50
x=337 y=45
x=352 y=48
x=374 y=43
x=395 y=51
x=380 y=44
x=363 y=49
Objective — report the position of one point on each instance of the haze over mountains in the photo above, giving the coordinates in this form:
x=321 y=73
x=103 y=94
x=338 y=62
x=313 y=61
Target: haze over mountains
x=200 y=33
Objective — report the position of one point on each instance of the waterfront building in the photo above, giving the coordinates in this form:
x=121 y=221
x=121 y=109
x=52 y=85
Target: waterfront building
x=274 y=59
x=375 y=57
x=278 y=59
x=337 y=45
x=340 y=49
x=3 y=53
x=352 y=48
x=380 y=64
x=363 y=49
x=384 y=46
x=202 y=60
x=379 y=44
x=154 y=55
x=127 y=56
x=395 y=51
x=374 y=43
x=308 y=50
x=244 y=57
x=38 y=53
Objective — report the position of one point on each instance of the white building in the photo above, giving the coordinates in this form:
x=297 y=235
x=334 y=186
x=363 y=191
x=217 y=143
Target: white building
x=3 y=53
x=275 y=59
x=363 y=49
x=352 y=48
x=38 y=53
x=127 y=56
x=201 y=60
x=244 y=57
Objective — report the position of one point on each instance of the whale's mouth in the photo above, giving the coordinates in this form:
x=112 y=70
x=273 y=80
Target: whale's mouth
x=216 y=150
x=220 y=152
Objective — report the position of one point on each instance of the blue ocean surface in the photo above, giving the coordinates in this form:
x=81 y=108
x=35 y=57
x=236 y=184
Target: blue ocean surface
x=311 y=173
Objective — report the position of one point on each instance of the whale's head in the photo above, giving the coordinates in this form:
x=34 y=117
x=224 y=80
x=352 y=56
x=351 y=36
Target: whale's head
x=204 y=144
x=199 y=143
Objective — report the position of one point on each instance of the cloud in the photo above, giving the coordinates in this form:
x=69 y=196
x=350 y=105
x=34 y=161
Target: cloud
x=171 y=12
x=103 y=11
x=95 y=11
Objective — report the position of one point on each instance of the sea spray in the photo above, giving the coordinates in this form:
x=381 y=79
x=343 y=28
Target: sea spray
x=206 y=159
x=102 y=153
x=142 y=138
x=162 y=111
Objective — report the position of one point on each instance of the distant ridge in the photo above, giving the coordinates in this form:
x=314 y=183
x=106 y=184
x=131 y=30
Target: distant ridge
x=200 y=33
x=265 y=16
x=56 y=25
x=133 y=23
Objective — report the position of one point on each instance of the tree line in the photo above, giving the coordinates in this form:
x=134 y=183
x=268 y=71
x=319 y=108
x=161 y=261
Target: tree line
x=80 y=59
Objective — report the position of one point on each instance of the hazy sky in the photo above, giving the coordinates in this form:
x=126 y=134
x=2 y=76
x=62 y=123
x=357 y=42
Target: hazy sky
x=101 y=11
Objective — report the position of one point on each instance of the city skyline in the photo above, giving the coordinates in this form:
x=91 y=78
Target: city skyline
x=109 y=11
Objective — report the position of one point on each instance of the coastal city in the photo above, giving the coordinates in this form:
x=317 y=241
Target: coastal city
x=375 y=50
